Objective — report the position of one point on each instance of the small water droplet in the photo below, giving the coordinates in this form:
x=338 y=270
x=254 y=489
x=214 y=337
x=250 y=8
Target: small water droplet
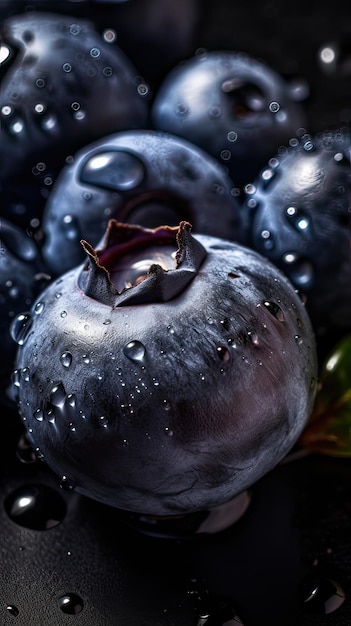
x=135 y=350
x=267 y=239
x=38 y=415
x=223 y=353
x=20 y=327
x=298 y=340
x=275 y=310
x=320 y=594
x=39 y=307
x=66 y=359
x=38 y=507
x=12 y=609
x=71 y=603
x=274 y=107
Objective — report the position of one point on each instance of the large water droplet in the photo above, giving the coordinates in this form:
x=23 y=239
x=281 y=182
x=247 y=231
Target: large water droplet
x=20 y=327
x=38 y=507
x=135 y=350
x=71 y=603
x=117 y=169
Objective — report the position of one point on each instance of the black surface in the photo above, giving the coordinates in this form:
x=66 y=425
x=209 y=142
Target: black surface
x=294 y=540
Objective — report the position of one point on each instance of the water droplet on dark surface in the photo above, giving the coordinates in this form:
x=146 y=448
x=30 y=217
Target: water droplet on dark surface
x=66 y=484
x=20 y=327
x=13 y=610
x=71 y=603
x=38 y=507
x=25 y=452
x=320 y=594
x=66 y=359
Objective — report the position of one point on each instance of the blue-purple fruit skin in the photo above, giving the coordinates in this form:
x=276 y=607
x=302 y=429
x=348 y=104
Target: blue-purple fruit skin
x=234 y=106
x=62 y=86
x=143 y=177
x=169 y=407
x=297 y=214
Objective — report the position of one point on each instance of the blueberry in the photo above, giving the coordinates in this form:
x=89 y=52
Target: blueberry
x=21 y=280
x=62 y=86
x=232 y=105
x=174 y=371
x=297 y=214
x=145 y=177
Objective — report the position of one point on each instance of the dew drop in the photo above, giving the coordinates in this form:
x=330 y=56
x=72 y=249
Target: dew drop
x=274 y=310
x=20 y=327
x=118 y=170
x=38 y=415
x=223 y=353
x=38 y=507
x=71 y=603
x=274 y=107
x=39 y=307
x=66 y=359
x=135 y=350
x=321 y=595
x=13 y=610
x=16 y=378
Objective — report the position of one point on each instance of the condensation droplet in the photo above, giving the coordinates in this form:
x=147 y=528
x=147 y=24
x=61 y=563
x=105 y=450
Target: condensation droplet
x=38 y=507
x=12 y=609
x=39 y=307
x=223 y=353
x=135 y=350
x=274 y=310
x=66 y=359
x=20 y=327
x=71 y=603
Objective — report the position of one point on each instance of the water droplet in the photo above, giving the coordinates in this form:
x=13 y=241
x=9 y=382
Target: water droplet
x=57 y=396
x=38 y=415
x=168 y=431
x=274 y=107
x=39 y=307
x=20 y=327
x=298 y=218
x=12 y=609
x=275 y=310
x=109 y=35
x=135 y=350
x=320 y=594
x=16 y=377
x=267 y=239
x=71 y=603
x=223 y=353
x=38 y=507
x=181 y=109
x=232 y=136
x=66 y=359
x=298 y=340
x=118 y=170
x=67 y=67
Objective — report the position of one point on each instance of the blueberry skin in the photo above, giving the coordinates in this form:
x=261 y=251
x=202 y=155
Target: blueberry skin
x=141 y=177
x=62 y=86
x=176 y=394
x=297 y=214
x=21 y=280
x=234 y=106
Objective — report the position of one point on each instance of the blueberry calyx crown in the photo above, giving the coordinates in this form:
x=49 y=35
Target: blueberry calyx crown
x=117 y=274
